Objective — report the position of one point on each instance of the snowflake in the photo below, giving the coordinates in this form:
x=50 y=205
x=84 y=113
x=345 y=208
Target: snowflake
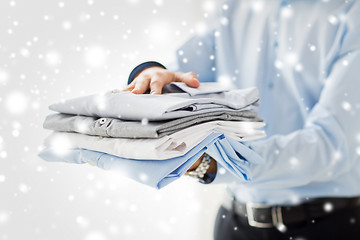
x=4 y=77
x=95 y=56
x=133 y=208
x=208 y=6
x=278 y=64
x=332 y=19
x=201 y=28
x=143 y=177
x=358 y=137
x=346 y=106
x=298 y=67
x=291 y=58
x=83 y=222
x=358 y=150
x=224 y=21
x=4 y=217
x=286 y=12
x=144 y=121
x=60 y=144
x=15 y=133
x=81 y=127
x=66 y=25
x=52 y=58
x=352 y=220
x=328 y=207
x=24 y=188
x=222 y=171
x=16 y=102
x=281 y=227
x=128 y=229
x=84 y=17
x=133 y=1
x=294 y=162
x=159 y=2
x=257 y=6
x=3 y=154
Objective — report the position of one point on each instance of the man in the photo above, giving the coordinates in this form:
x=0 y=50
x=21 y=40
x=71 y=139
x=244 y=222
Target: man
x=304 y=58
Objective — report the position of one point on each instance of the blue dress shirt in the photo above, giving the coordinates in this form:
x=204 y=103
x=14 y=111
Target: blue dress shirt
x=158 y=173
x=304 y=58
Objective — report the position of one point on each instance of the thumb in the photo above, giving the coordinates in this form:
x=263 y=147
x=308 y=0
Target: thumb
x=189 y=79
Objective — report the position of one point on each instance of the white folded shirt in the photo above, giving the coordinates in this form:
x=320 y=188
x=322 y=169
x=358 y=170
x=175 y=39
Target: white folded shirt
x=169 y=146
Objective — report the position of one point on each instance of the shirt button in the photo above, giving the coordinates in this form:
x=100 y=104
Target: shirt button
x=271 y=85
x=102 y=121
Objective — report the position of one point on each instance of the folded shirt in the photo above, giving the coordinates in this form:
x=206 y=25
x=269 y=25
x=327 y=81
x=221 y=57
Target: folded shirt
x=229 y=153
x=128 y=106
x=112 y=127
x=168 y=146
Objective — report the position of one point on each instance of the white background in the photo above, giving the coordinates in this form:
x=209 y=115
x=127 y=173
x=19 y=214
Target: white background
x=52 y=50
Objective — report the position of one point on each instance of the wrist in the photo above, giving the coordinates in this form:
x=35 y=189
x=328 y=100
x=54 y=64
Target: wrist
x=196 y=164
x=203 y=169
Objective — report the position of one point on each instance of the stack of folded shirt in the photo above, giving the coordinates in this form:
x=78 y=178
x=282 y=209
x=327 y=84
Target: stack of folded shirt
x=154 y=139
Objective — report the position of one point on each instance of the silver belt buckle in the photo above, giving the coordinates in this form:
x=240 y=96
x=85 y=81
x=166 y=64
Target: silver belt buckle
x=276 y=215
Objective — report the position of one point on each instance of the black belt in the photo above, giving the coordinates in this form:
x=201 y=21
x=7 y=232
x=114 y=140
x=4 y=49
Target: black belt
x=267 y=216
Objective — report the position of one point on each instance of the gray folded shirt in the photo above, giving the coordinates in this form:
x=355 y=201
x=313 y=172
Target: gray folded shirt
x=112 y=127
x=190 y=102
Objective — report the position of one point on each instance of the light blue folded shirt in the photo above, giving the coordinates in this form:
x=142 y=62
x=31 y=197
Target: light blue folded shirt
x=304 y=57
x=159 y=173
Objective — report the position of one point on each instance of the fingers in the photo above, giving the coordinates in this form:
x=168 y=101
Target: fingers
x=156 y=84
x=155 y=79
x=189 y=79
x=130 y=87
x=141 y=84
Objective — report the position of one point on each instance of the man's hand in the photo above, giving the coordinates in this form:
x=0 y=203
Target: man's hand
x=155 y=78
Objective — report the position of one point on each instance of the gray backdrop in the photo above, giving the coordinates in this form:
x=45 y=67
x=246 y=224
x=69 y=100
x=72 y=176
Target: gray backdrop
x=52 y=50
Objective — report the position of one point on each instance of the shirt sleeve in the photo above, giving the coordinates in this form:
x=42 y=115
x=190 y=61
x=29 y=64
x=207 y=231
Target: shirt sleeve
x=328 y=146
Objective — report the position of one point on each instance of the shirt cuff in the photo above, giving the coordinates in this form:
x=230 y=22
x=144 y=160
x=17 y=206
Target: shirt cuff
x=141 y=67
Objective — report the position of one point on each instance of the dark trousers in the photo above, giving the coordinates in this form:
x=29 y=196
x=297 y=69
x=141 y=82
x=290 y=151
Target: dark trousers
x=340 y=225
